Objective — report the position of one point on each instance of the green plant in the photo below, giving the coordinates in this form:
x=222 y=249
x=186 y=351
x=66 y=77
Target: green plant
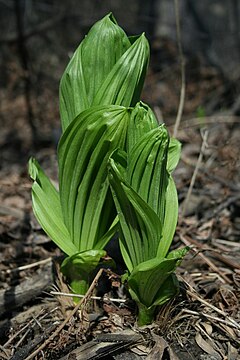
x=115 y=164
x=107 y=68
x=147 y=205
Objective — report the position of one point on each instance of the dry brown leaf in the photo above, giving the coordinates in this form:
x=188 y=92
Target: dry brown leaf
x=159 y=350
x=232 y=352
x=140 y=350
x=228 y=330
x=205 y=346
x=208 y=327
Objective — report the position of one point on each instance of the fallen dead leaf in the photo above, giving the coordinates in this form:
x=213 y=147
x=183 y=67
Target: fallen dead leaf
x=160 y=349
x=207 y=327
x=232 y=352
x=205 y=346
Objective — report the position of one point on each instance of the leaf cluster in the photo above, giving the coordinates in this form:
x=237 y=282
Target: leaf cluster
x=115 y=164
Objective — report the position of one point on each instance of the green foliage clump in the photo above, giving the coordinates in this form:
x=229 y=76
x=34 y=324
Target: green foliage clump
x=115 y=164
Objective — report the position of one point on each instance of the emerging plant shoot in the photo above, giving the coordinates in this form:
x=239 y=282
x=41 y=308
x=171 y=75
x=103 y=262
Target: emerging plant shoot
x=115 y=163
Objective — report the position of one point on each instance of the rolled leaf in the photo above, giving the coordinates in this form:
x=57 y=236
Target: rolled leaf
x=79 y=267
x=90 y=65
x=84 y=149
x=170 y=218
x=174 y=153
x=140 y=226
x=142 y=120
x=168 y=290
x=147 y=278
x=147 y=173
x=47 y=208
x=124 y=83
x=147 y=282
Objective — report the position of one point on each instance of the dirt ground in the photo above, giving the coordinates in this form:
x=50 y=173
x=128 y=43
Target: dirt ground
x=203 y=321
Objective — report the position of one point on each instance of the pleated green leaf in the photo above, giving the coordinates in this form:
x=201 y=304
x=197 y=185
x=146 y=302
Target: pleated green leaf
x=84 y=149
x=124 y=83
x=174 y=153
x=170 y=218
x=90 y=65
x=72 y=92
x=171 y=202
x=168 y=289
x=102 y=241
x=140 y=226
x=78 y=268
x=142 y=120
x=147 y=279
x=147 y=173
x=147 y=282
x=47 y=208
x=115 y=164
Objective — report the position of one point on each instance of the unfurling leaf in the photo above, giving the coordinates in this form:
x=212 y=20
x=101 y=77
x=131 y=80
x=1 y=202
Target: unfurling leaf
x=47 y=208
x=147 y=172
x=142 y=120
x=83 y=152
x=153 y=282
x=124 y=83
x=140 y=227
x=106 y=69
x=147 y=278
x=174 y=153
x=78 y=268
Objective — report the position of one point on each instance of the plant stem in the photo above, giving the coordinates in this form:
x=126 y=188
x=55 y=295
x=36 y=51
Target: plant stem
x=79 y=287
x=145 y=315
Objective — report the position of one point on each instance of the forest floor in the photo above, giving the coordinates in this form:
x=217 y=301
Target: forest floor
x=203 y=321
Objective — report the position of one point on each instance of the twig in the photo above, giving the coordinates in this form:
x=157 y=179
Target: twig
x=223 y=277
x=105 y=298
x=204 y=302
x=18 y=295
x=4 y=353
x=211 y=176
x=72 y=313
x=183 y=76
x=198 y=164
x=209 y=120
x=222 y=321
x=29 y=266
x=193 y=293
x=22 y=339
x=212 y=319
x=228 y=242
x=217 y=253
x=30 y=323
